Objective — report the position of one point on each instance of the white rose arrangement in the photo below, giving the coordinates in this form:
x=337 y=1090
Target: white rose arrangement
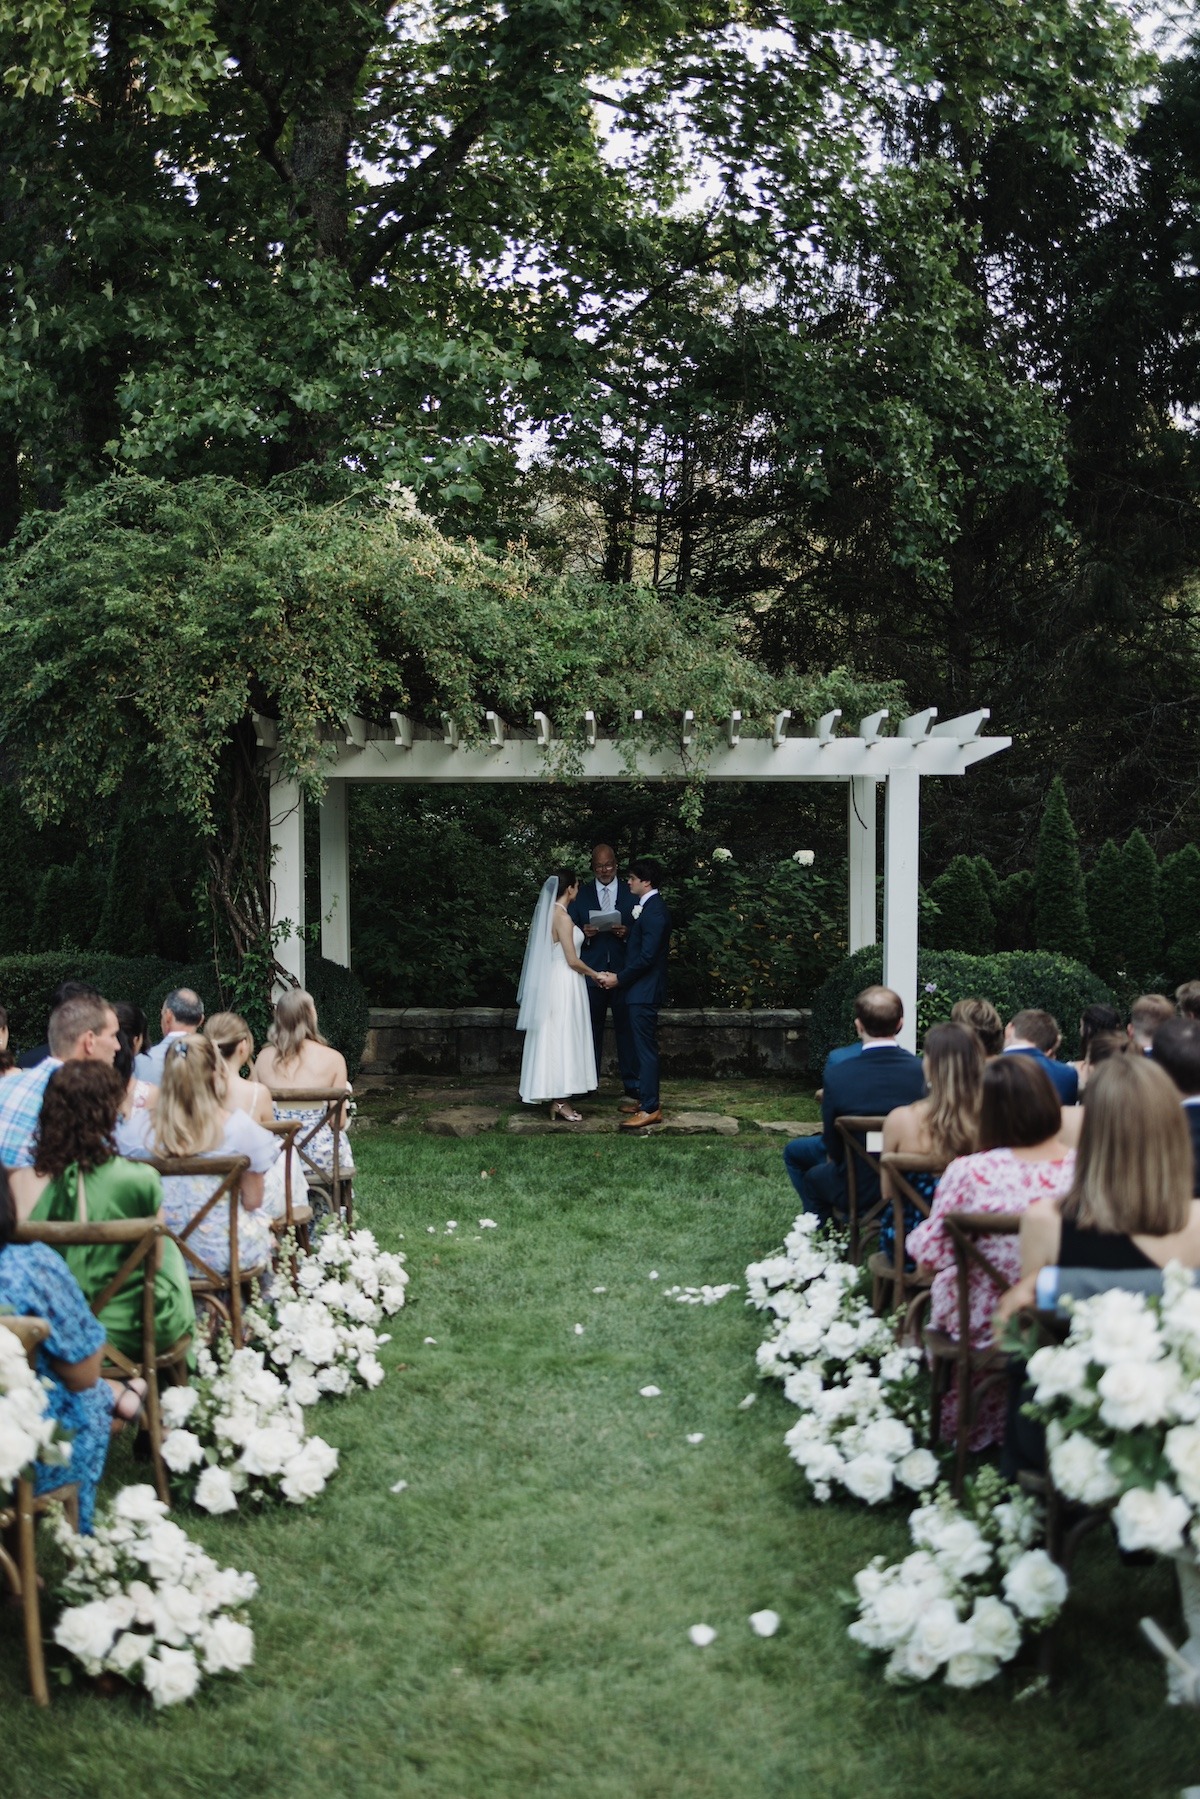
x=145 y=1602
x=28 y=1433
x=1120 y=1400
x=973 y=1588
x=857 y=1391
x=238 y=1433
x=319 y=1328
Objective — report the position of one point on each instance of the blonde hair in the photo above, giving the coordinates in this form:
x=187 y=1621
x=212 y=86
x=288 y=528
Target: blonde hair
x=189 y=1116
x=295 y=1024
x=954 y=1060
x=1133 y=1170
x=227 y=1030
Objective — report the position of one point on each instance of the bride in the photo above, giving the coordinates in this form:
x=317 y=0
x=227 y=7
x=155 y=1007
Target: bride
x=559 y=1058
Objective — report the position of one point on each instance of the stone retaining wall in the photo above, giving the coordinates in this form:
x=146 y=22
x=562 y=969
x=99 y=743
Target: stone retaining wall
x=476 y=1040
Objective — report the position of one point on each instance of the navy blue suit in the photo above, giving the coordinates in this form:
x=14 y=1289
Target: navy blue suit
x=643 y=984
x=607 y=953
x=1192 y=1114
x=870 y=1084
x=1063 y=1077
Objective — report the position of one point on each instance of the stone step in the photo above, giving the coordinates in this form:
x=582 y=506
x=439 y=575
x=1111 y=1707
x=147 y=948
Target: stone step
x=540 y=1124
x=462 y=1121
x=788 y=1127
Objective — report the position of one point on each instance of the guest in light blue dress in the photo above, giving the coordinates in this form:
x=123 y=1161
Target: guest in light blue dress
x=299 y=1060
x=36 y=1282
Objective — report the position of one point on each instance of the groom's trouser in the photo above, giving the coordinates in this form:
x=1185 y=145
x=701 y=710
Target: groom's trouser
x=644 y=1024
x=600 y=999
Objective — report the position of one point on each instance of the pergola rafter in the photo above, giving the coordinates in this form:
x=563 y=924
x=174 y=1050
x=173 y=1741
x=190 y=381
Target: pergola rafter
x=406 y=749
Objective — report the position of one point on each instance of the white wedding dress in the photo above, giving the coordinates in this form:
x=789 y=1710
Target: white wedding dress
x=559 y=1059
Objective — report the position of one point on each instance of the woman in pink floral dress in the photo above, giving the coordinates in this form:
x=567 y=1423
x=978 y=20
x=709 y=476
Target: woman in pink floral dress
x=1020 y=1159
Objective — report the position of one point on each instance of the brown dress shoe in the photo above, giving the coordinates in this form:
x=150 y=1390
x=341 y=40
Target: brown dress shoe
x=629 y=1104
x=640 y=1120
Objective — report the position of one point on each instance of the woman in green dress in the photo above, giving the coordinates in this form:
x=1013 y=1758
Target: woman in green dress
x=91 y=1183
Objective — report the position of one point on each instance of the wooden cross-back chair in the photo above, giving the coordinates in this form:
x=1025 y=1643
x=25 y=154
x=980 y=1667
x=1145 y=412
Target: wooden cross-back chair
x=974 y=1371
x=211 y=1285
x=891 y=1281
x=853 y=1129
x=18 y=1520
x=143 y=1236
x=337 y=1181
x=297 y=1214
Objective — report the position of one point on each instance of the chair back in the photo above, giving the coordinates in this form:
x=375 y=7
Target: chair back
x=328 y=1106
x=29 y=1331
x=896 y=1166
x=206 y=1280
x=853 y=1129
x=18 y=1541
x=977 y=1370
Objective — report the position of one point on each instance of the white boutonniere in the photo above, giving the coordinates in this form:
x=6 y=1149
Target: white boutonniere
x=637 y=912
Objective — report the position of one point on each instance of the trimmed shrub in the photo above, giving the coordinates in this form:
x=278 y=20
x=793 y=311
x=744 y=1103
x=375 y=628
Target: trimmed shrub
x=1123 y=901
x=1013 y=907
x=28 y=981
x=1010 y=980
x=342 y=1008
x=67 y=902
x=1060 y=914
x=965 y=918
x=1179 y=894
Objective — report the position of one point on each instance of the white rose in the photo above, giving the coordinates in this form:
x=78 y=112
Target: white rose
x=995 y=1630
x=333 y=1380
x=1183 y=1452
x=225 y=1587
x=911 y=1662
x=803 y=1388
x=841 y=1341
x=177 y=1405
x=960 y=1548
x=128 y=1652
x=805 y=858
x=1133 y=1396
x=214 y=1491
x=87 y=1633
x=940 y=1632
x=918 y=1469
x=178 y=1614
x=269 y=1449
x=361 y=1308
x=722 y=855
x=888 y=1437
x=870 y=1580
x=236 y=1425
x=1057 y=1373
x=1035 y=1585
x=968 y=1670
x=309 y=1471
x=370 y=1370
x=182 y=1450
x=310 y=1276
x=1154 y=1519
x=894 y=1612
x=869 y=1477
x=170 y=1676
x=304 y=1389
x=18 y=1445
x=138 y=1505
x=391 y=1298
x=1081 y=1470
x=227 y=1646
x=1120 y=1327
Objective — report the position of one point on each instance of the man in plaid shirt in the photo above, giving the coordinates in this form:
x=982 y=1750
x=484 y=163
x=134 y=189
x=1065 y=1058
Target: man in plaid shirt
x=81 y=1030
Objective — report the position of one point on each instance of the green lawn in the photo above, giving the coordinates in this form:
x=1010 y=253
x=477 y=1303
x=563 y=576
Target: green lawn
x=516 y=1622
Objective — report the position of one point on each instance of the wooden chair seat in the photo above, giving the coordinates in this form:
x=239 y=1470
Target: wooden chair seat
x=297 y=1214
x=853 y=1129
x=329 y=1106
x=18 y=1521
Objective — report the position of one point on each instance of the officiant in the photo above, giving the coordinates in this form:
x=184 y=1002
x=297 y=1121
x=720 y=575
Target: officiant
x=604 y=950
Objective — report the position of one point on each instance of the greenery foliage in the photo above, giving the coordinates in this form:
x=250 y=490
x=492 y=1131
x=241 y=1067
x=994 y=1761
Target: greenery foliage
x=1179 y=892
x=965 y=919
x=750 y=937
x=1011 y=980
x=1123 y=889
x=1014 y=911
x=1060 y=917
x=28 y=981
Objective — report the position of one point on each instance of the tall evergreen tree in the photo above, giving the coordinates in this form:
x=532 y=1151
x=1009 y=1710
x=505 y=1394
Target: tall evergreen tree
x=1179 y=895
x=966 y=920
x=1060 y=911
x=1014 y=911
x=1123 y=899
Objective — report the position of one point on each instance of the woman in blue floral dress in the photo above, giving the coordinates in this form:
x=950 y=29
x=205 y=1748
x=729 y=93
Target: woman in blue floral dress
x=36 y=1282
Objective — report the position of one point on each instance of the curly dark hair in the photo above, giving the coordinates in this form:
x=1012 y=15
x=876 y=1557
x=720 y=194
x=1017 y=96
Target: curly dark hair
x=79 y=1116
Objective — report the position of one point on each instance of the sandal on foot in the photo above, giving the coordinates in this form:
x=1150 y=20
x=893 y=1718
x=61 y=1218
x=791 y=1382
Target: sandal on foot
x=130 y=1401
x=560 y=1109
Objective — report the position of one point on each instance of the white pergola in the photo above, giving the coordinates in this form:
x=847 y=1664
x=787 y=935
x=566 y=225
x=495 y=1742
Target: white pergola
x=862 y=760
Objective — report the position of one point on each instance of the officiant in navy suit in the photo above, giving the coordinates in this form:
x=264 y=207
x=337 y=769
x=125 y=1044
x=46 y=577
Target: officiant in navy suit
x=605 y=951
x=643 y=984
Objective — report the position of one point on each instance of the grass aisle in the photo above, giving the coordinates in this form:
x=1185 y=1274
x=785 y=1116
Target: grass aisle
x=516 y=1621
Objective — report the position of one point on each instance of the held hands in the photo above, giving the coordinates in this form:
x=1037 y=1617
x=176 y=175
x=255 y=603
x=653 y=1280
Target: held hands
x=606 y=980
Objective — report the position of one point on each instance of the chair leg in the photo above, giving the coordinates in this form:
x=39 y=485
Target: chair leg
x=154 y=1429
x=30 y=1602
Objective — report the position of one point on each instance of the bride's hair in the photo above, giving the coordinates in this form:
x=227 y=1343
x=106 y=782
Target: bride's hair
x=566 y=877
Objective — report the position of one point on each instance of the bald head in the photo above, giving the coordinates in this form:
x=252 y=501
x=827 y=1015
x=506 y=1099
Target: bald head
x=604 y=862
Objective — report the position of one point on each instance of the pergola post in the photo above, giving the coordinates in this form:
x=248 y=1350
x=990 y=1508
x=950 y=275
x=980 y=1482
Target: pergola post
x=860 y=811
x=287 y=871
x=335 y=875
x=901 y=828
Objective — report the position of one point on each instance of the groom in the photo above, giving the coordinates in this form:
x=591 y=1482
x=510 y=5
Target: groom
x=643 y=982
x=605 y=952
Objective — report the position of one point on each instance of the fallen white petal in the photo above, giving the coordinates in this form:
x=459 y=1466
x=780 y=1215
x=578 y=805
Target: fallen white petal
x=696 y=1436
x=745 y=1404
x=400 y=1486
x=599 y=1289
x=702 y=1635
x=452 y=1224
x=654 y=1274
x=431 y=1340
x=764 y=1623
x=579 y=1330
x=649 y=1392
x=488 y=1224
x=432 y=1229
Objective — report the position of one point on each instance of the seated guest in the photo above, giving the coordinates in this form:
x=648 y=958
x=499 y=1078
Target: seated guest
x=8 y=1063
x=235 y=1045
x=1145 y=1016
x=1101 y=1045
x=133 y=1034
x=82 y=1029
x=1020 y=1160
x=980 y=1016
x=1187 y=998
x=33 y=1058
x=1177 y=1049
x=91 y=1183
x=1130 y=1203
x=192 y=1119
x=34 y=1282
x=943 y=1126
x=1094 y=1021
x=883 y=1077
x=297 y=1060
x=181 y=1016
x=1036 y=1035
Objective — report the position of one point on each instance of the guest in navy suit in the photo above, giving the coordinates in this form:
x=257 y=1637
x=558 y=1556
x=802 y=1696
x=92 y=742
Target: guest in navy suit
x=882 y=1077
x=643 y=984
x=1177 y=1047
x=1034 y=1033
x=605 y=951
